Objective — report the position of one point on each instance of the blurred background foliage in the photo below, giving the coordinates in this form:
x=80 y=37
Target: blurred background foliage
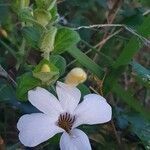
x=117 y=63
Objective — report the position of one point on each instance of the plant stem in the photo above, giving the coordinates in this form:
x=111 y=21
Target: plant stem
x=9 y=49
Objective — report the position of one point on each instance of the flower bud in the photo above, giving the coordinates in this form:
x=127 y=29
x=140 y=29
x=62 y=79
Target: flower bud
x=45 y=4
x=24 y=3
x=48 y=39
x=42 y=16
x=75 y=77
x=46 y=72
x=45 y=68
x=3 y=33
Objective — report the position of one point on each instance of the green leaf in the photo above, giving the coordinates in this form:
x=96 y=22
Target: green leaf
x=59 y=62
x=142 y=73
x=127 y=97
x=32 y=35
x=25 y=15
x=84 y=89
x=144 y=2
x=135 y=124
x=140 y=70
x=125 y=57
x=11 y=51
x=7 y=93
x=133 y=45
x=139 y=124
x=65 y=39
x=26 y=82
x=14 y=147
x=55 y=15
x=86 y=62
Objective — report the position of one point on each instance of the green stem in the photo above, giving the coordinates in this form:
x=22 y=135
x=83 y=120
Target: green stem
x=45 y=55
x=9 y=49
x=22 y=54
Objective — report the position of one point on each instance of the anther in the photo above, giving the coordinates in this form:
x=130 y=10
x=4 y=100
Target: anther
x=66 y=121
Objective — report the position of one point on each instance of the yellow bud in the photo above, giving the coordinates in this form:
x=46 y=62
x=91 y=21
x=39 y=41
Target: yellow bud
x=3 y=33
x=45 y=68
x=75 y=77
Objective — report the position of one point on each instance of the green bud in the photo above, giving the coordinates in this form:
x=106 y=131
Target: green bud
x=18 y=5
x=48 y=39
x=24 y=3
x=42 y=16
x=46 y=72
x=25 y=15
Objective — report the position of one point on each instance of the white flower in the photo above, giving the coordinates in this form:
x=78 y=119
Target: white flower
x=62 y=116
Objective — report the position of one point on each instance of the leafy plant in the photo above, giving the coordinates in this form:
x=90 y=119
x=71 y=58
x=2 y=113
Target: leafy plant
x=42 y=40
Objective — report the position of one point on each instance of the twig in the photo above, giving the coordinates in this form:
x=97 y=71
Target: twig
x=116 y=134
x=2 y=144
x=108 y=37
x=105 y=40
x=145 y=40
x=146 y=12
x=6 y=75
x=112 y=122
x=93 y=90
x=98 y=26
x=60 y=1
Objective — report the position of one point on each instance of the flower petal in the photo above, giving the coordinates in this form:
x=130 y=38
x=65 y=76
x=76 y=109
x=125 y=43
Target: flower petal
x=36 y=128
x=69 y=96
x=93 y=110
x=44 y=101
x=77 y=140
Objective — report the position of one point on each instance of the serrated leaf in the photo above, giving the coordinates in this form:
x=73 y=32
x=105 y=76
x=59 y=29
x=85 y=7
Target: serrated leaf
x=65 y=39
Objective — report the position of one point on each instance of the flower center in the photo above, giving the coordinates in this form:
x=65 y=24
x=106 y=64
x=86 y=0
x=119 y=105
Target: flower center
x=66 y=121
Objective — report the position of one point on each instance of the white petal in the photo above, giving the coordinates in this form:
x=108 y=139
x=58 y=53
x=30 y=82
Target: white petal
x=77 y=140
x=44 y=101
x=93 y=110
x=69 y=96
x=36 y=128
